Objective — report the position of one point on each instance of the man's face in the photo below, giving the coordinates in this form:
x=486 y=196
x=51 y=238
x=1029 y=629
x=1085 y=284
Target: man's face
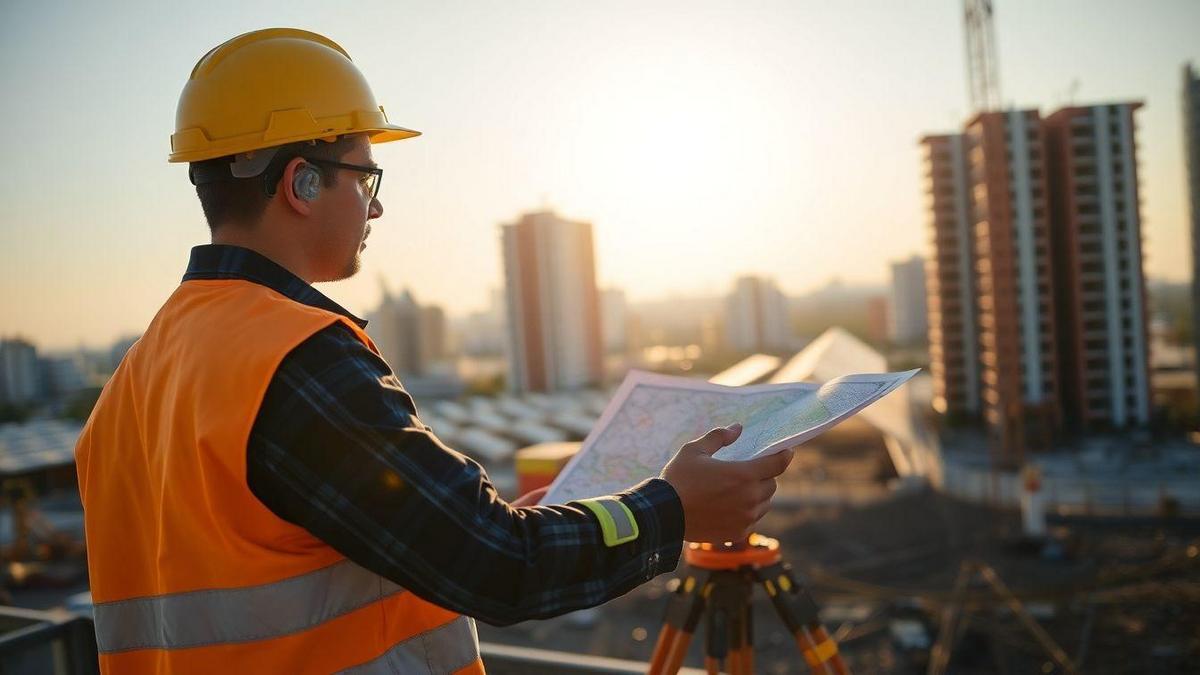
x=342 y=212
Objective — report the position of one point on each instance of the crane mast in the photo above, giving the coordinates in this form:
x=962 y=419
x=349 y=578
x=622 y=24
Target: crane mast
x=983 y=79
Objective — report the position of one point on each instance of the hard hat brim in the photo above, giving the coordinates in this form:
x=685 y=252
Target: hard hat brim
x=383 y=133
x=392 y=133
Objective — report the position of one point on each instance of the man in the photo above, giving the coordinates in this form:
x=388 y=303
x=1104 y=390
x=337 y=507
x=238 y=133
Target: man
x=259 y=493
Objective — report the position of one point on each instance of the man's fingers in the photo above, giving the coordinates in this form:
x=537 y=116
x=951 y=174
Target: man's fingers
x=761 y=511
x=716 y=439
x=771 y=465
x=767 y=490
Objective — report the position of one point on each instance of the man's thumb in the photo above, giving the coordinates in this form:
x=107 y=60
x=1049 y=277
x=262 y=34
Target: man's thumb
x=716 y=439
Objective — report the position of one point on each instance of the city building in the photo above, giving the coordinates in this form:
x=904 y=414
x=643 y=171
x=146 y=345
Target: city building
x=877 y=319
x=481 y=333
x=1051 y=291
x=411 y=337
x=1102 y=317
x=756 y=316
x=1010 y=213
x=20 y=382
x=1191 y=149
x=907 y=322
x=118 y=350
x=950 y=278
x=555 y=338
x=434 y=334
x=614 y=313
x=66 y=373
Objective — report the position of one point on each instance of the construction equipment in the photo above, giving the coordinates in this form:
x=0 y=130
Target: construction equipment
x=983 y=74
x=39 y=554
x=951 y=619
x=716 y=585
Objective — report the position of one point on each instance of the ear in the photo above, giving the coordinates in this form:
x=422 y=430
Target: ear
x=288 y=191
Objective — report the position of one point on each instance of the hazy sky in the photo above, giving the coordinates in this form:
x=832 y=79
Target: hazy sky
x=702 y=139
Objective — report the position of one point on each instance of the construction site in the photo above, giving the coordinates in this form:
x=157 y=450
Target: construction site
x=914 y=581
x=908 y=577
x=1017 y=507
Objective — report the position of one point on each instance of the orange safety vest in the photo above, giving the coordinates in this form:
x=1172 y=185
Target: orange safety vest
x=190 y=573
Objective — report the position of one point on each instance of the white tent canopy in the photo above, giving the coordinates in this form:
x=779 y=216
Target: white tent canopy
x=836 y=352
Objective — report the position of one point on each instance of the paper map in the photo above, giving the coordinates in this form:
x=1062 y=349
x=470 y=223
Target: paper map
x=651 y=416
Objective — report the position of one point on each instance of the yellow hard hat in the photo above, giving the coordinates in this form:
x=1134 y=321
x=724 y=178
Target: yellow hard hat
x=272 y=87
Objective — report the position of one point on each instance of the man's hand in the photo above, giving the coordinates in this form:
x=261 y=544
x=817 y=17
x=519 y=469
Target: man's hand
x=722 y=500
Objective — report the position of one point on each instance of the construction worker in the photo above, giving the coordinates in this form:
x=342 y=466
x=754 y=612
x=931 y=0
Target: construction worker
x=259 y=493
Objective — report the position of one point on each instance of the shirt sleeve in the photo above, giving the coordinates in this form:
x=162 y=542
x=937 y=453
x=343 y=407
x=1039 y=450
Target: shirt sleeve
x=337 y=449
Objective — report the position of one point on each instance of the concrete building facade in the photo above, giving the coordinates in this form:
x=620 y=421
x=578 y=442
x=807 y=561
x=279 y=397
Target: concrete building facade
x=877 y=319
x=1017 y=339
x=410 y=336
x=1191 y=148
x=908 y=322
x=20 y=376
x=1102 y=316
x=1053 y=275
x=756 y=316
x=614 y=313
x=950 y=277
x=553 y=306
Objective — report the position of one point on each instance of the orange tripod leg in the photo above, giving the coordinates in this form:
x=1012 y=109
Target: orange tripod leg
x=820 y=651
x=739 y=640
x=677 y=653
x=748 y=641
x=716 y=637
x=658 y=660
x=684 y=610
x=822 y=637
x=717 y=584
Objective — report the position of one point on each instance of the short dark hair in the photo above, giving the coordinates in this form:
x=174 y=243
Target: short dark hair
x=242 y=201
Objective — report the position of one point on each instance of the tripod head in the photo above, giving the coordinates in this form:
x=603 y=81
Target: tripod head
x=755 y=551
x=715 y=586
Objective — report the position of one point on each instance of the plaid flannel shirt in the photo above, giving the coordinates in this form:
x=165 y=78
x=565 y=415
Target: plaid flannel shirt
x=338 y=449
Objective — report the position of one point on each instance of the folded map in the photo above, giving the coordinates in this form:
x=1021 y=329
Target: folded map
x=651 y=416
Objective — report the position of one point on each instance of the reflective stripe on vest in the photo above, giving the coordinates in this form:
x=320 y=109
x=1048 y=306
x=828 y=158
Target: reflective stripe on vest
x=218 y=616
x=444 y=649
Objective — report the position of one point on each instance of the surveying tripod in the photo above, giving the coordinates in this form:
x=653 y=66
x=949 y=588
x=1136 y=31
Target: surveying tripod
x=716 y=584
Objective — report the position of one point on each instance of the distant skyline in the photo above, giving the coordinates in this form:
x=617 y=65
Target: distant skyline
x=702 y=140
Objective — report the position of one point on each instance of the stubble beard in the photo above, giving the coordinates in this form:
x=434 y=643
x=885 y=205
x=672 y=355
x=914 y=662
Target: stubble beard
x=352 y=268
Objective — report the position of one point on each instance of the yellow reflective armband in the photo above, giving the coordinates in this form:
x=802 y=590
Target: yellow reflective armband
x=616 y=520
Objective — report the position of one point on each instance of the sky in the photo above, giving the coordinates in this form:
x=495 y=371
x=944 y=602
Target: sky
x=703 y=140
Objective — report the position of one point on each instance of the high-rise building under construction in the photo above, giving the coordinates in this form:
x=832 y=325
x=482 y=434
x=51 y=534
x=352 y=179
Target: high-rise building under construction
x=950 y=278
x=1102 y=325
x=1191 y=148
x=1014 y=295
x=1037 y=293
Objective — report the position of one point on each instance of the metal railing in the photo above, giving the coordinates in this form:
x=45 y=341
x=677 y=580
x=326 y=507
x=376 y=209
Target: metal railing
x=508 y=660
x=58 y=642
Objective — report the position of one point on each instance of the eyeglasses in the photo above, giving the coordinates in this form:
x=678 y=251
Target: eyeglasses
x=372 y=175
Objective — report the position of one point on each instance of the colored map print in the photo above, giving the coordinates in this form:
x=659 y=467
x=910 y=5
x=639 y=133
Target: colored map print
x=651 y=416
x=833 y=402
